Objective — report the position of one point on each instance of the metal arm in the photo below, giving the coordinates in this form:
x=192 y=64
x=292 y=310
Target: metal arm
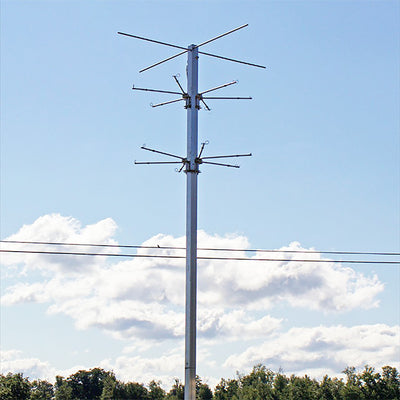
x=154 y=90
x=163 y=61
x=229 y=156
x=180 y=87
x=153 y=41
x=185 y=50
x=224 y=34
x=221 y=165
x=218 y=87
x=162 y=152
x=156 y=162
x=165 y=103
x=227 y=98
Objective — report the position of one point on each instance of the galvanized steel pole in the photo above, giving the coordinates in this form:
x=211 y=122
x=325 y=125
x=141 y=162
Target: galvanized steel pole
x=192 y=170
x=192 y=98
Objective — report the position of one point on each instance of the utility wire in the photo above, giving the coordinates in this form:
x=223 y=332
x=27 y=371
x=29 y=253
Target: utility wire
x=200 y=248
x=199 y=257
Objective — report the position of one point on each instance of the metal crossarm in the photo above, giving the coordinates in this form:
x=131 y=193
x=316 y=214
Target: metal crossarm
x=180 y=86
x=202 y=148
x=218 y=87
x=161 y=152
x=165 y=103
x=185 y=50
x=163 y=61
x=190 y=164
x=220 y=164
x=155 y=90
x=227 y=98
x=233 y=60
x=220 y=36
x=152 y=40
x=156 y=162
x=229 y=156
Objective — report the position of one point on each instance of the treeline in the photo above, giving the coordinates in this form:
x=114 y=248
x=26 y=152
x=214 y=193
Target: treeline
x=260 y=384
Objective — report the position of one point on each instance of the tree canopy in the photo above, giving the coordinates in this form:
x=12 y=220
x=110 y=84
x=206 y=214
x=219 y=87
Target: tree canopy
x=260 y=384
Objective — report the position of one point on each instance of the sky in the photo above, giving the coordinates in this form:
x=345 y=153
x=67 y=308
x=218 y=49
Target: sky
x=323 y=127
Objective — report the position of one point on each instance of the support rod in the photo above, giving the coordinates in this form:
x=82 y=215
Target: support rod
x=228 y=156
x=192 y=170
x=221 y=165
x=165 y=103
x=220 y=36
x=218 y=87
x=152 y=40
x=161 y=152
x=227 y=98
x=155 y=90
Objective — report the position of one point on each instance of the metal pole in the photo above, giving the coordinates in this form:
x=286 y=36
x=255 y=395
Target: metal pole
x=192 y=169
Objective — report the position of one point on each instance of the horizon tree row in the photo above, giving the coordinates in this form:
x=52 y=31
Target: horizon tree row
x=260 y=384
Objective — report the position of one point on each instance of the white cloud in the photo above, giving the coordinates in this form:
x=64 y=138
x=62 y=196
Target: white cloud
x=60 y=229
x=314 y=351
x=144 y=298
x=164 y=368
x=13 y=361
x=305 y=350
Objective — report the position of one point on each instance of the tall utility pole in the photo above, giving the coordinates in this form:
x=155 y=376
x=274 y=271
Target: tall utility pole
x=192 y=170
x=192 y=98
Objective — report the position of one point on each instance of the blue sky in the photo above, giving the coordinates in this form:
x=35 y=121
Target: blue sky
x=323 y=128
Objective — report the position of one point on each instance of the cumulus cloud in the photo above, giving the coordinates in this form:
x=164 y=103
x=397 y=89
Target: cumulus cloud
x=335 y=347
x=60 y=229
x=141 y=301
x=144 y=297
x=15 y=361
x=128 y=368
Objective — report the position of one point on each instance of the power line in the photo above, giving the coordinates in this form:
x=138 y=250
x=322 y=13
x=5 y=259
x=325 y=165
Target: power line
x=199 y=257
x=200 y=248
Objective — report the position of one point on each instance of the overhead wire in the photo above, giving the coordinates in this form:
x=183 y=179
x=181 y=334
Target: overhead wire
x=201 y=248
x=70 y=253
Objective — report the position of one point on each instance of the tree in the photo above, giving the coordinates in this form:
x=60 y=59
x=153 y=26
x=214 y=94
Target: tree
x=371 y=386
x=226 y=389
x=109 y=385
x=390 y=383
x=87 y=385
x=134 y=391
x=303 y=388
x=41 y=390
x=177 y=391
x=330 y=389
x=62 y=390
x=257 y=385
x=280 y=386
x=352 y=389
x=14 y=387
x=156 y=392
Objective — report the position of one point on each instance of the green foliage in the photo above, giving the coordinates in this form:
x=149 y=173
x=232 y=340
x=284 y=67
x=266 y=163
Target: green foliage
x=330 y=389
x=156 y=392
x=303 y=388
x=41 y=390
x=260 y=384
x=203 y=391
x=62 y=390
x=109 y=385
x=14 y=387
x=134 y=391
x=87 y=385
x=177 y=391
x=280 y=385
x=226 y=389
